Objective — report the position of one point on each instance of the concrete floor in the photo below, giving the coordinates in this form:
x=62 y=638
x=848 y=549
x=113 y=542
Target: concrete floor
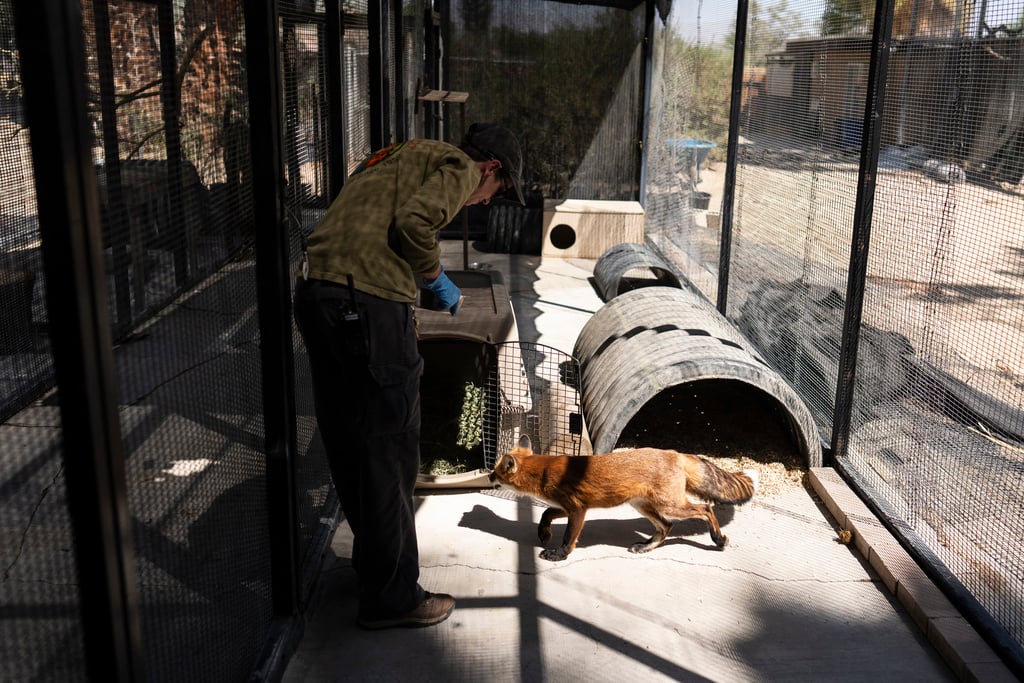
x=784 y=601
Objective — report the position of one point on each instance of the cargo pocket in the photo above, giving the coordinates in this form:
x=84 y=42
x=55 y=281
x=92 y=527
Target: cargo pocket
x=395 y=406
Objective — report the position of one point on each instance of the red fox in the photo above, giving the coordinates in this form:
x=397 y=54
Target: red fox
x=653 y=481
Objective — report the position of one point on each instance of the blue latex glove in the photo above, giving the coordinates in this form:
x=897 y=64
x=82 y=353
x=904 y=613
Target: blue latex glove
x=448 y=295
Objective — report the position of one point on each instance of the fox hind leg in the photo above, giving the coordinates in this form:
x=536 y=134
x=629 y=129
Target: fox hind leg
x=705 y=511
x=662 y=527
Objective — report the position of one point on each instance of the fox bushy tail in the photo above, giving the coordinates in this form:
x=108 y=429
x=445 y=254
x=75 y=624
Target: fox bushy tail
x=721 y=486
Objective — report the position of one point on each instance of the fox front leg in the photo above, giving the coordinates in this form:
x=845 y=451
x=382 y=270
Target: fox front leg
x=544 y=528
x=572 y=533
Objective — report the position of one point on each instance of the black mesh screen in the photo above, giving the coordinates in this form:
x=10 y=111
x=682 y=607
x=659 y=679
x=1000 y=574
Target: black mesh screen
x=41 y=632
x=307 y=149
x=168 y=104
x=171 y=146
x=40 y=629
x=566 y=79
x=175 y=168
x=25 y=367
x=689 y=102
x=938 y=415
x=197 y=485
x=936 y=424
x=356 y=82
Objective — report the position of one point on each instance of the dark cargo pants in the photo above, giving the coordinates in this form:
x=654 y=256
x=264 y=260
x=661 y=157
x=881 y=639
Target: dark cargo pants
x=366 y=377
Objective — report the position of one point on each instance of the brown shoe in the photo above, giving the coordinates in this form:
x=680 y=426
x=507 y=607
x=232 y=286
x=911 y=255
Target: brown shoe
x=435 y=608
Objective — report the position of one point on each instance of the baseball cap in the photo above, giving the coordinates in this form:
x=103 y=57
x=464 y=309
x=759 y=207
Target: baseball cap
x=497 y=142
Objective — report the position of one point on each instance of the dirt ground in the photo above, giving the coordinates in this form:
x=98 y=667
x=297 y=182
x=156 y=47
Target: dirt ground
x=945 y=266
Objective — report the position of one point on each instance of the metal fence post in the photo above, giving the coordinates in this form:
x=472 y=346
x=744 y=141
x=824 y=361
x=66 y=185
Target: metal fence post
x=49 y=34
x=863 y=212
x=336 y=156
x=644 y=120
x=402 y=131
x=117 y=215
x=274 y=299
x=444 y=10
x=739 y=56
x=380 y=76
x=170 y=102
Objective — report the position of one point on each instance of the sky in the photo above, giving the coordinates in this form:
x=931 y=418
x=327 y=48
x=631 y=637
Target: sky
x=715 y=19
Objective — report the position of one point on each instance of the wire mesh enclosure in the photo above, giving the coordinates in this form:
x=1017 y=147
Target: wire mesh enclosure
x=41 y=639
x=168 y=139
x=854 y=211
x=25 y=367
x=883 y=252
x=566 y=77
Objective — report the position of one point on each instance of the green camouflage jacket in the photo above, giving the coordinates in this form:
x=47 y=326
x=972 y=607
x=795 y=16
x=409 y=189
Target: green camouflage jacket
x=418 y=186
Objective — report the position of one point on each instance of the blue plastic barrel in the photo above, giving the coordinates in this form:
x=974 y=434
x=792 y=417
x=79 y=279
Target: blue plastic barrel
x=696 y=151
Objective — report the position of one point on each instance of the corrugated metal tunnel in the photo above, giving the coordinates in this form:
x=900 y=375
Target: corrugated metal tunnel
x=631 y=265
x=651 y=340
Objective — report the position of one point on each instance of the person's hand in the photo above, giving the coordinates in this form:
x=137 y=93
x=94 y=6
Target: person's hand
x=448 y=295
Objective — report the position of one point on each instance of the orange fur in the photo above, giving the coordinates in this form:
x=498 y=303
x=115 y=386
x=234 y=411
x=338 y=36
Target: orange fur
x=654 y=481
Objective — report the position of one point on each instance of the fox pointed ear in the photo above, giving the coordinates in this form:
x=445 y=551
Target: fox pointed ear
x=509 y=464
x=525 y=443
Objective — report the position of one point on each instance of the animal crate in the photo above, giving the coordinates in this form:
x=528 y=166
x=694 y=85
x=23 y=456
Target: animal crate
x=479 y=399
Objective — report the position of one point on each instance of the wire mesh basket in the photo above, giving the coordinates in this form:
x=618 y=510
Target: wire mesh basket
x=533 y=390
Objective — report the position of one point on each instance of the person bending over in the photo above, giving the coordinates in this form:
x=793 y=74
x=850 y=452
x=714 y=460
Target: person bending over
x=354 y=306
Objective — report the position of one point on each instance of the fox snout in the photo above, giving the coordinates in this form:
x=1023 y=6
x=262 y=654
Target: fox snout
x=507 y=466
x=493 y=479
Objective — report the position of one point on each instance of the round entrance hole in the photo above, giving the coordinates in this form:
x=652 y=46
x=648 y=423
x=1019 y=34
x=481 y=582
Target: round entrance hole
x=562 y=236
